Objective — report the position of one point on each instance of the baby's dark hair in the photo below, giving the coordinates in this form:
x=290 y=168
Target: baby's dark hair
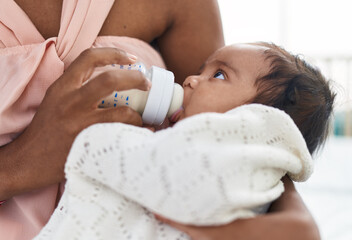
x=299 y=89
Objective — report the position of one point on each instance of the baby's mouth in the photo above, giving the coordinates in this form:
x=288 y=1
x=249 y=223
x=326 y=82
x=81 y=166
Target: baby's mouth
x=176 y=116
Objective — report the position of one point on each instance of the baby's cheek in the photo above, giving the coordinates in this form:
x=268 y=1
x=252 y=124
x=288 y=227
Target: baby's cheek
x=191 y=110
x=201 y=108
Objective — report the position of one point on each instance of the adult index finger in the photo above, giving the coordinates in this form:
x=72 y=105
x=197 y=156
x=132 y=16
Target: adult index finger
x=109 y=81
x=119 y=114
x=82 y=68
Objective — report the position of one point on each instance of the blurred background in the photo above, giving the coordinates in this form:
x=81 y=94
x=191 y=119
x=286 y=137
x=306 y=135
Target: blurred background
x=321 y=30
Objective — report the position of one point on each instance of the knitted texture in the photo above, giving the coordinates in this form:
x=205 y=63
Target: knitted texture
x=208 y=169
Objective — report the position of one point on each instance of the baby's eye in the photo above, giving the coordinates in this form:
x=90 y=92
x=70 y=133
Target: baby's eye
x=219 y=75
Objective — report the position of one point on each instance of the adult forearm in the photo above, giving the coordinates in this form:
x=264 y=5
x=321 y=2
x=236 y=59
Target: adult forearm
x=297 y=221
x=11 y=162
x=22 y=167
x=281 y=226
x=275 y=226
x=195 y=33
x=289 y=219
x=6 y=170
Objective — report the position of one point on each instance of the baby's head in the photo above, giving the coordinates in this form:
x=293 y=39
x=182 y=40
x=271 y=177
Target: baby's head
x=267 y=74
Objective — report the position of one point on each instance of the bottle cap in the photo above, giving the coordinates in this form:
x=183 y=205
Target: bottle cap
x=160 y=96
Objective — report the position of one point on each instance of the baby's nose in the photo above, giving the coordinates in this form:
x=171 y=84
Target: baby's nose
x=191 y=81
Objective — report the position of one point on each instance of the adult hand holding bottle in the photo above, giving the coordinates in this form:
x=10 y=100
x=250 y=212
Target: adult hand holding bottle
x=37 y=157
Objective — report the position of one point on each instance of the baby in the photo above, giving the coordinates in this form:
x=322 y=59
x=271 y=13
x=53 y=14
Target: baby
x=267 y=74
x=221 y=161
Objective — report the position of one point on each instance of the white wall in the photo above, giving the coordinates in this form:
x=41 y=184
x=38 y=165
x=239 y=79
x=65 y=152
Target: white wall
x=307 y=26
x=315 y=28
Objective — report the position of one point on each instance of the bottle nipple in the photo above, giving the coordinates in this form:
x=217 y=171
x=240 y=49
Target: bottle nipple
x=177 y=100
x=176 y=116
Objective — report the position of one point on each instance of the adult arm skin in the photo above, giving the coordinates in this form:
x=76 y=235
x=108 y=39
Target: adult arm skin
x=37 y=157
x=288 y=219
x=195 y=32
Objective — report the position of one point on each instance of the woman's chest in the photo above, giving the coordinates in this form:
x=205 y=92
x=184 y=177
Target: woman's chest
x=142 y=19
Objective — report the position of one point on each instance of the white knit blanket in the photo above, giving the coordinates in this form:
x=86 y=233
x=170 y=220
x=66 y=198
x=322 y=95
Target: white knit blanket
x=208 y=169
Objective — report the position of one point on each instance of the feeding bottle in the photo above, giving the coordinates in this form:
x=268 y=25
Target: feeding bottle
x=162 y=100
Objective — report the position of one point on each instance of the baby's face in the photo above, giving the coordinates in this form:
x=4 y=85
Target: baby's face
x=225 y=81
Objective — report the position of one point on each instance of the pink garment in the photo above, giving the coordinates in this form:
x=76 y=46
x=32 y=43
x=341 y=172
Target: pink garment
x=29 y=64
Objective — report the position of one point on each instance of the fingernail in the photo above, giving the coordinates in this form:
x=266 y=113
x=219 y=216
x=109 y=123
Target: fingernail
x=132 y=57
